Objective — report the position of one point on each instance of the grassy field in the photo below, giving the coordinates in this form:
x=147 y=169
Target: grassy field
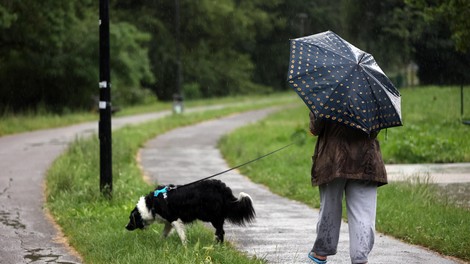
x=95 y=225
x=433 y=131
x=29 y=121
x=415 y=213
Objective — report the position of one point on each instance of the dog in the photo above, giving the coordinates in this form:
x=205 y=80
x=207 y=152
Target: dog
x=209 y=201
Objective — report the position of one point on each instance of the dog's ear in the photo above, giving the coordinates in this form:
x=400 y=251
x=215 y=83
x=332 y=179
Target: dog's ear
x=135 y=220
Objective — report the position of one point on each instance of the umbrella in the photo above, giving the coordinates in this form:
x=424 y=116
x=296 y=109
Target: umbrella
x=342 y=83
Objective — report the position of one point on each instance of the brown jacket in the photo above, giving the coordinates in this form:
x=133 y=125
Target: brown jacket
x=344 y=152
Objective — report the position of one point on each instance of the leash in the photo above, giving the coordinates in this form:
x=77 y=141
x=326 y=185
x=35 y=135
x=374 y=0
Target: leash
x=167 y=188
x=238 y=166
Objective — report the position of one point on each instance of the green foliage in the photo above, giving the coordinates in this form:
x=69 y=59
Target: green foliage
x=6 y=18
x=386 y=23
x=51 y=55
x=39 y=50
x=130 y=64
x=213 y=45
x=49 y=49
x=432 y=131
x=453 y=13
x=440 y=35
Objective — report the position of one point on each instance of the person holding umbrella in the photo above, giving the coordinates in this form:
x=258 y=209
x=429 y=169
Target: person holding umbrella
x=350 y=101
x=346 y=161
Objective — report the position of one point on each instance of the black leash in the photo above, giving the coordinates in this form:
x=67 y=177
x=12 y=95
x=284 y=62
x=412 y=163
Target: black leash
x=236 y=167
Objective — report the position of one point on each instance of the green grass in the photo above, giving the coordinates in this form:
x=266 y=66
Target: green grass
x=95 y=225
x=433 y=131
x=29 y=121
x=413 y=212
x=17 y=123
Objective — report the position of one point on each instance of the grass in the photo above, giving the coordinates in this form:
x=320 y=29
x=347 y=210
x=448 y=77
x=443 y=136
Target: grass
x=17 y=123
x=29 y=121
x=41 y=119
x=412 y=212
x=433 y=131
x=95 y=225
x=415 y=214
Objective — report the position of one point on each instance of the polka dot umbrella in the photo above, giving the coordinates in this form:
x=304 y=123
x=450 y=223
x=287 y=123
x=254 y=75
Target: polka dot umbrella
x=342 y=83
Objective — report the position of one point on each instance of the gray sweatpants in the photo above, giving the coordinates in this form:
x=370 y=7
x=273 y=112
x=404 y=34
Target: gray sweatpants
x=361 y=202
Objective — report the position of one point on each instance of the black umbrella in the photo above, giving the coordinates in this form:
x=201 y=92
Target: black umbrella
x=342 y=83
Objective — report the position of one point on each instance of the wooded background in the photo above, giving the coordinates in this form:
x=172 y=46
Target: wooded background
x=49 y=48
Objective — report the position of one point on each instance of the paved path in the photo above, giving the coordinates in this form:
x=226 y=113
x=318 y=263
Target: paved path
x=436 y=173
x=284 y=230
x=26 y=235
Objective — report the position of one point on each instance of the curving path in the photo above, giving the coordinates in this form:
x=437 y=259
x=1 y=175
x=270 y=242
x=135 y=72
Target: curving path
x=284 y=229
x=26 y=233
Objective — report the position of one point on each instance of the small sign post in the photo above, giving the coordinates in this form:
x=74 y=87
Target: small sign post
x=104 y=126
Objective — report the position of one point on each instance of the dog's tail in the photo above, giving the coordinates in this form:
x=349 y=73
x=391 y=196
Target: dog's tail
x=242 y=211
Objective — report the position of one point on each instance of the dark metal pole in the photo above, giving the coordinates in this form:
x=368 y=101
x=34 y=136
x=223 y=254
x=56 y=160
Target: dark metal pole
x=178 y=93
x=178 y=58
x=106 y=175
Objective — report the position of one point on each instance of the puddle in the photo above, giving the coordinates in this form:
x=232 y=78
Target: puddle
x=38 y=144
x=54 y=141
x=57 y=141
x=37 y=254
x=89 y=131
x=7 y=219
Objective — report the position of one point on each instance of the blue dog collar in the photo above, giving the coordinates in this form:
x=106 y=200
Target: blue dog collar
x=162 y=191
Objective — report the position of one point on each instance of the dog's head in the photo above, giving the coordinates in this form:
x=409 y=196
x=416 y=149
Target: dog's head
x=141 y=216
x=135 y=220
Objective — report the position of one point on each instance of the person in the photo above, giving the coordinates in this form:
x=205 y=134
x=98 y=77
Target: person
x=346 y=161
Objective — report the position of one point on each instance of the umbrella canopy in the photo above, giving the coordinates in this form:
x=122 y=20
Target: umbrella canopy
x=342 y=83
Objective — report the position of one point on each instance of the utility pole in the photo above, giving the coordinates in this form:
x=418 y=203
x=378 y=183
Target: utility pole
x=178 y=95
x=104 y=126
x=178 y=58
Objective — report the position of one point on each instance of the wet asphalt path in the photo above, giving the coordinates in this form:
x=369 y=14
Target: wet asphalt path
x=284 y=230
x=26 y=235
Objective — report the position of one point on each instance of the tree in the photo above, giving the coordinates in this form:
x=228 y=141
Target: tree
x=130 y=64
x=453 y=13
x=284 y=20
x=216 y=40
x=381 y=28
x=442 y=41
x=6 y=17
x=35 y=50
x=49 y=55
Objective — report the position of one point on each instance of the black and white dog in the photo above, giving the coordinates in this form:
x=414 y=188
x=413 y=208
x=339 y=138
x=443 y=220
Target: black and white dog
x=209 y=201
